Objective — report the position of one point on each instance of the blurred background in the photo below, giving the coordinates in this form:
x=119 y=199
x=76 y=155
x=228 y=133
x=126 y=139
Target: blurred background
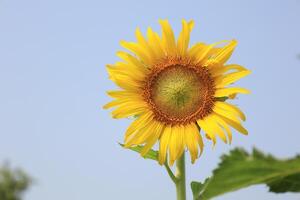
x=53 y=83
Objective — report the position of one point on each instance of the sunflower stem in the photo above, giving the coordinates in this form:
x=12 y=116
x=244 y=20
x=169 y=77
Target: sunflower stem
x=170 y=173
x=180 y=176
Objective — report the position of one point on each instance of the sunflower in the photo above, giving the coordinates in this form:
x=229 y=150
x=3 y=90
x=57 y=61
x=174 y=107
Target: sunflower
x=174 y=92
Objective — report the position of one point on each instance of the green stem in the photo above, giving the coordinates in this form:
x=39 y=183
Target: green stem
x=172 y=176
x=180 y=176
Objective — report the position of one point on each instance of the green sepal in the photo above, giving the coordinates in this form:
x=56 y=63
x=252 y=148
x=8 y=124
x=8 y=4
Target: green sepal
x=152 y=154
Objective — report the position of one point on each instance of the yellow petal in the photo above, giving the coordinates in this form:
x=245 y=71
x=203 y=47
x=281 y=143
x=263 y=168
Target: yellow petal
x=154 y=138
x=128 y=110
x=198 y=137
x=224 y=125
x=192 y=141
x=235 y=125
x=121 y=101
x=129 y=69
x=155 y=43
x=123 y=71
x=176 y=145
x=207 y=129
x=218 y=130
x=168 y=38
x=203 y=57
x=224 y=92
x=142 y=41
x=127 y=83
x=123 y=94
x=137 y=50
x=139 y=123
x=231 y=78
x=142 y=135
x=211 y=126
x=133 y=61
x=184 y=37
x=224 y=53
x=196 y=49
x=226 y=113
x=217 y=70
x=182 y=130
x=163 y=144
x=231 y=108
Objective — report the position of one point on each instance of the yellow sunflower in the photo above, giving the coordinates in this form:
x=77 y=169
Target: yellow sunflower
x=174 y=91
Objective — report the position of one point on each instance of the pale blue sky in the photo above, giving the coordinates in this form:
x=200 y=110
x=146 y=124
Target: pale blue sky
x=53 y=83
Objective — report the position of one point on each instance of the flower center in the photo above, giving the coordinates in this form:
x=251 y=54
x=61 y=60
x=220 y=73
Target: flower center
x=176 y=91
x=179 y=93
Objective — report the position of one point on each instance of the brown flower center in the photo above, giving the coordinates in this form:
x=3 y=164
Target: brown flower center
x=179 y=92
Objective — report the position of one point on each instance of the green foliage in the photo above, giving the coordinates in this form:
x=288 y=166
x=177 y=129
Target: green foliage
x=240 y=169
x=153 y=155
x=289 y=183
x=12 y=183
x=221 y=98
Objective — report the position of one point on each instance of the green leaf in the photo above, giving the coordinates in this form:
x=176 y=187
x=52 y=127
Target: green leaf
x=153 y=155
x=240 y=169
x=196 y=187
x=286 y=184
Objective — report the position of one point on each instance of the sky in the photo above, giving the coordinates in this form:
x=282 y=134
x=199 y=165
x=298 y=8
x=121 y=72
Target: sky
x=53 y=82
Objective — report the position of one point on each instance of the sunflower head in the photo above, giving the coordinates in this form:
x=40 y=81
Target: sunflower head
x=175 y=92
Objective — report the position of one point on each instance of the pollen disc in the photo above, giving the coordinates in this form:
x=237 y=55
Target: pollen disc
x=179 y=94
